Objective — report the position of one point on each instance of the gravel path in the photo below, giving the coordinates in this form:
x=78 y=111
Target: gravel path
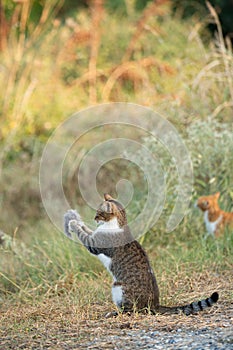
x=179 y=339
x=212 y=330
x=198 y=332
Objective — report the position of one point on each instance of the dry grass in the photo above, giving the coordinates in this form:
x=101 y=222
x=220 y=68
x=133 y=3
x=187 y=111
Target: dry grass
x=97 y=11
x=61 y=322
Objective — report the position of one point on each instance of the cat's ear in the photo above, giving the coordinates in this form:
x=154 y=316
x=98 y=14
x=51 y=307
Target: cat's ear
x=217 y=195
x=107 y=197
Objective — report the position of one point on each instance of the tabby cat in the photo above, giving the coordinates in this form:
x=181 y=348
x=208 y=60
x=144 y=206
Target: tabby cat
x=134 y=283
x=215 y=218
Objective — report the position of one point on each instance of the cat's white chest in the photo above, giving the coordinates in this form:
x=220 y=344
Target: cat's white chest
x=211 y=226
x=106 y=261
x=111 y=225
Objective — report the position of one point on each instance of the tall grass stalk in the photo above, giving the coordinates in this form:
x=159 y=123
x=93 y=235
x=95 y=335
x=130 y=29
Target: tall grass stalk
x=97 y=16
x=215 y=79
x=225 y=52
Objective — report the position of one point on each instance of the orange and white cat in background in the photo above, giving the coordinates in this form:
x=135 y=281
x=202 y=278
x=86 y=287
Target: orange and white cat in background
x=215 y=218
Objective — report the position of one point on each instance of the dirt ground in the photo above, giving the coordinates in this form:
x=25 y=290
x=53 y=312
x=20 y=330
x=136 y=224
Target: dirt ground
x=58 y=323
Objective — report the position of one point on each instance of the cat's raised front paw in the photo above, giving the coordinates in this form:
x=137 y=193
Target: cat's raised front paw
x=73 y=226
x=71 y=215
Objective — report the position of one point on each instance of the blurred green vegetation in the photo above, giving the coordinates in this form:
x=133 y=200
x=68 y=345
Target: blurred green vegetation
x=199 y=9
x=52 y=66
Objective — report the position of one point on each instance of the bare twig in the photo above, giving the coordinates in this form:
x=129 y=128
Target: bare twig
x=137 y=68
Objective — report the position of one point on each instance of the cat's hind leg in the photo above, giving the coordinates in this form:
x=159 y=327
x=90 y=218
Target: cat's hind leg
x=117 y=294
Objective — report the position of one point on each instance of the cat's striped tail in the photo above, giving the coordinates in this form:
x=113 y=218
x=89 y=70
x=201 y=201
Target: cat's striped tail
x=192 y=308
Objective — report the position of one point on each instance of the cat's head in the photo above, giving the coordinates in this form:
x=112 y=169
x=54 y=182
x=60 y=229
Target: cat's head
x=207 y=202
x=110 y=209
